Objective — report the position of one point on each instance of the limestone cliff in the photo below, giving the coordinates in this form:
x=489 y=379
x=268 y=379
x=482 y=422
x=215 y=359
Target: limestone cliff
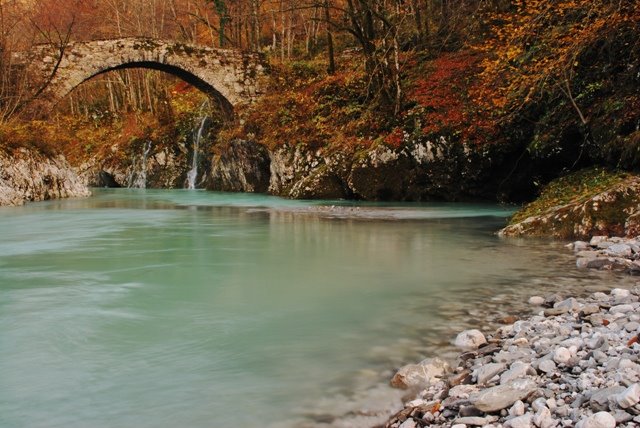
x=414 y=172
x=27 y=175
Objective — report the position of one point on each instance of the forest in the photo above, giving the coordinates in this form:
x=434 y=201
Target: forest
x=536 y=88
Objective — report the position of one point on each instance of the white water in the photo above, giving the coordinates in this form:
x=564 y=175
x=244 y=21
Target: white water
x=138 y=179
x=192 y=175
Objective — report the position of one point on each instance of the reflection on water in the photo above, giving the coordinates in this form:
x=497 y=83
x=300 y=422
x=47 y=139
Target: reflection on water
x=176 y=308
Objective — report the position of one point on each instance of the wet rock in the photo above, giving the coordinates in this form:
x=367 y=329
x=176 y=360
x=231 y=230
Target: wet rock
x=470 y=339
x=503 y=396
x=242 y=166
x=536 y=300
x=415 y=375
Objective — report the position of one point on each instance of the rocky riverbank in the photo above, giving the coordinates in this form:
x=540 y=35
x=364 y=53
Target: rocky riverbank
x=584 y=204
x=575 y=363
x=27 y=175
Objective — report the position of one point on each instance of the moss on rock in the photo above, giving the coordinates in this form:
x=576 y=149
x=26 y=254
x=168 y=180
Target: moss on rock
x=590 y=202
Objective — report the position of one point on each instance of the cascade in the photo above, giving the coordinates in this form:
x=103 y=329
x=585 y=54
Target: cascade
x=138 y=179
x=192 y=175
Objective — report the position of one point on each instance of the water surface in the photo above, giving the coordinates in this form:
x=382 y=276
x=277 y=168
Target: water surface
x=182 y=308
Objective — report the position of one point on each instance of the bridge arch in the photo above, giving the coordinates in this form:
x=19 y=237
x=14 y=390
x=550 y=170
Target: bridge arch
x=230 y=76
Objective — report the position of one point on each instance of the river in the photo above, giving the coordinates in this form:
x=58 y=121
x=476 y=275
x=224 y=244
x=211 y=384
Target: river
x=188 y=308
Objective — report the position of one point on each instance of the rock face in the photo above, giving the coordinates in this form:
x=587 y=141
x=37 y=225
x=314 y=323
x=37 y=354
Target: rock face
x=437 y=170
x=146 y=165
x=243 y=166
x=26 y=176
x=615 y=211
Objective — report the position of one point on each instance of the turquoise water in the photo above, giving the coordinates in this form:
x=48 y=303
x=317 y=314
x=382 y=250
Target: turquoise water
x=189 y=308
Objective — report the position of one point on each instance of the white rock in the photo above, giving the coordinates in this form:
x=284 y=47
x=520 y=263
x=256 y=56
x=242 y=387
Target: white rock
x=475 y=421
x=470 y=339
x=547 y=366
x=517 y=370
x=517 y=409
x=621 y=309
x=409 y=423
x=525 y=421
x=543 y=419
x=486 y=372
x=600 y=297
x=597 y=240
x=619 y=250
x=629 y=396
x=620 y=292
x=503 y=396
x=420 y=374
x=561 y=355
x=536 y=300
x=599 y=420
x=459 y=426
x=580 y=246
x=571 y=304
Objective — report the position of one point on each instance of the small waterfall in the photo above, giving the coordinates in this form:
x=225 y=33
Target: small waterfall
x=138 y=179
x=192 y=175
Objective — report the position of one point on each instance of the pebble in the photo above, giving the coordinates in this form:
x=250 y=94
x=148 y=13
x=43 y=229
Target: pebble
x=599 y=420
x=503 y=396
x=517 y=409
x=517 y=370
x=487 y=372
x=547 y=366
x=629 y=397
x=561 y=355
x=524 y=421
x=536 y=301
x=607 y=253
x=574 y=364
x=470 y=339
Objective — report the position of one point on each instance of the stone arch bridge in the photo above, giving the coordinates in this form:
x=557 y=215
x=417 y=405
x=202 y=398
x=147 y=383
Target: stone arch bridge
x=230 y=76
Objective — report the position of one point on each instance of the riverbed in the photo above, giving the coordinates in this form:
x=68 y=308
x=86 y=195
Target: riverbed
x=189 y=308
